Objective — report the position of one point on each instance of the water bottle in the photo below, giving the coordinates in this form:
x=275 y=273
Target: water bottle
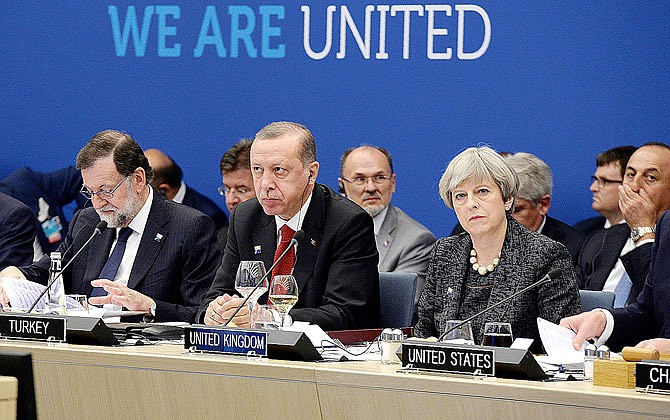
x=55 y=303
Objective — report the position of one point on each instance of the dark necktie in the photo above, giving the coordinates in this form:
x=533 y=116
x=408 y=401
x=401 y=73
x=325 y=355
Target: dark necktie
x=285 y=266
x=112 y=264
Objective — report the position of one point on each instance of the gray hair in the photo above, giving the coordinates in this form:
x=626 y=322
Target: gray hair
x=480 y=164
x=307 y=152
x=534 y=176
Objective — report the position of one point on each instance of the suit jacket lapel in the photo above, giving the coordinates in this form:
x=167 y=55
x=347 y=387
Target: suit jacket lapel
x=308 y=249
x=456 y=280
x=96 y=256
x=266 y=238
x=609 y=244
x=385 y=236
x=151 y=242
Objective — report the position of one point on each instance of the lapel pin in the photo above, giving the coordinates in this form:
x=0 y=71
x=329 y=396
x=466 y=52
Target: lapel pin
x=313 y=242
x=257 y=249
x=158 y=238
x=386 y=243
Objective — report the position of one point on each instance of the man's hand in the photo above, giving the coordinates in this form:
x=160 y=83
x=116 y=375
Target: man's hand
x=586 y=325
x=637 y=208
x=12 y=271
x=122 y=296
x=221 y=309
x=660 y=344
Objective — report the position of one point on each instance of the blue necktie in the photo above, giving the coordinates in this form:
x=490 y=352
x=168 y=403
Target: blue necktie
x=112 y=264
x=622 y=290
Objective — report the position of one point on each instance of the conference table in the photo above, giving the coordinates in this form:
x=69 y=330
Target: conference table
x=8 y=392
x=163 y=381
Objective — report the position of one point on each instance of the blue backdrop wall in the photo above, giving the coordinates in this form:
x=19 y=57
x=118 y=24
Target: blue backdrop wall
x=562 y=80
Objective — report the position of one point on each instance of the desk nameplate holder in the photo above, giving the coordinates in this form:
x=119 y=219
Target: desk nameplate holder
x=38 y=327
x=508 y=362
x=443 y=357
x=224 y=340
x=653 y=376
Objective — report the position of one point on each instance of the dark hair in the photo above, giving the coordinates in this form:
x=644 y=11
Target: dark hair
x=126 y=153
x=307 y=151
x=170 y=174
x=237 y=157
x=383 y=151
x=619 y=154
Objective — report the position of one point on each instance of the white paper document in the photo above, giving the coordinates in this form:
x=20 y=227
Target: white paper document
x=557 y=342
x=23 y=293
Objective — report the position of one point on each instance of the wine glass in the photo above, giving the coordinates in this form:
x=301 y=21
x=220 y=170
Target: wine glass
x=248 y=274
x=283 y=294
x=498 y=334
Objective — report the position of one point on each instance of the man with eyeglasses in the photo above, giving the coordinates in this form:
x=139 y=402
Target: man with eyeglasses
x=610 y=167
x=237 y=183
x=168 y=181
x=367 y=178
x=616 y=257
x=156 y=256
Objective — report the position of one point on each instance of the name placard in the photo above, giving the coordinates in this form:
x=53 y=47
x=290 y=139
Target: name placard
x=32 y=326
x=655 y=374
x=448 y=358
x=226 y=340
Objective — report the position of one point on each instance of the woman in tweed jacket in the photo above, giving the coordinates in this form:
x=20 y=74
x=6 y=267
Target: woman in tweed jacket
x=494 y=258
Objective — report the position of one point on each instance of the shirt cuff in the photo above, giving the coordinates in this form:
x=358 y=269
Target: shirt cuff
x=645 y=241
x=609 y=326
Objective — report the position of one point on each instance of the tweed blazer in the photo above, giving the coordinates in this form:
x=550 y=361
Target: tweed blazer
x=525 y=258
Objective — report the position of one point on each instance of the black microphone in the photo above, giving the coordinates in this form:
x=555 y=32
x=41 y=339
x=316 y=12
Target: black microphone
x=102 y=225
x=546 y=279
x=297 y=236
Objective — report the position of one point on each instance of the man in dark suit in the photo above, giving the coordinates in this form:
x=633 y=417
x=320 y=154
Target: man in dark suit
x=168 y=181
x=335 y=262
x=46 y=194
x=17 y=232
x=616 y=257
x=645 y=322
x=534 y=199
x=169 y=255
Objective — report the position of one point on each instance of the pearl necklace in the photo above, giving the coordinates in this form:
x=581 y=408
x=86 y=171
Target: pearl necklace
x=481 y=269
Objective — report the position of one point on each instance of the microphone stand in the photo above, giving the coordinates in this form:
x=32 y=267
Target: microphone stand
x=294 y=241
x=553 y=273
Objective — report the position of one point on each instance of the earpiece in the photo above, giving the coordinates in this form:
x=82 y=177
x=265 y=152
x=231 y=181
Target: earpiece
x=340 y=187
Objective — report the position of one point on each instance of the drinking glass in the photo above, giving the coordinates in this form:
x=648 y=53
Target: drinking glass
x=248 y=274
x=459 y=335
x=262 y=317
x=77 y=305
x=283 y=294
x=498 y=334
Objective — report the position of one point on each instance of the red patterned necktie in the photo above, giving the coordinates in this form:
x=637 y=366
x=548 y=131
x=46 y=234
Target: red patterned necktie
x=285 y=266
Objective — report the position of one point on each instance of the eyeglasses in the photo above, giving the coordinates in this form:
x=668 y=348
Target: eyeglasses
x=602 y=182
x=363 y=180
x=223 y=190
x=103 y=194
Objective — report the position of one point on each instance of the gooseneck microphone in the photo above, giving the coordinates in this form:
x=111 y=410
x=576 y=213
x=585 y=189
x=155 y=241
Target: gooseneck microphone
x=102 y=225
x=546 y=279
x=297 y=237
